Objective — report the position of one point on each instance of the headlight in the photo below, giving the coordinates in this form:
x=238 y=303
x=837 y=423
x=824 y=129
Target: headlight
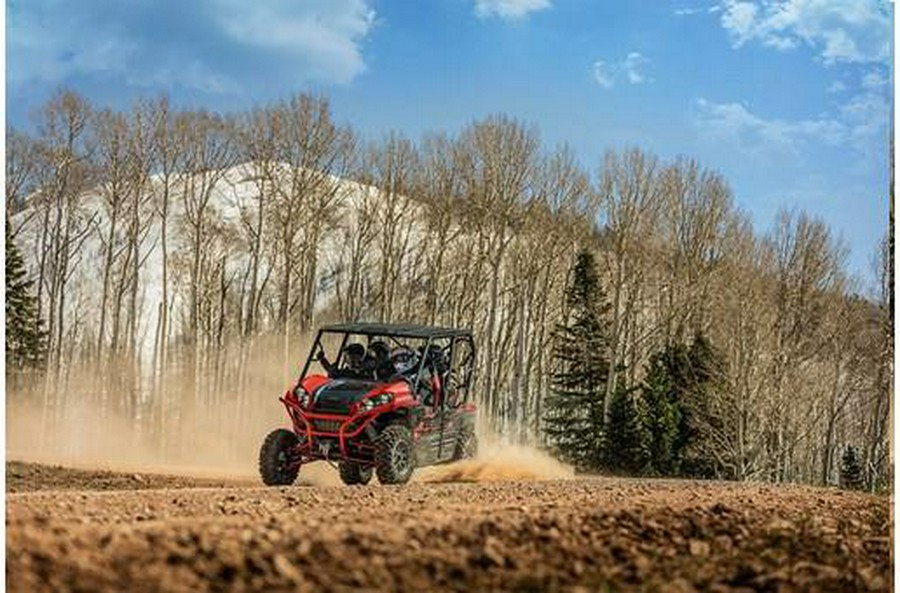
x=374 y=401
x=301 y=396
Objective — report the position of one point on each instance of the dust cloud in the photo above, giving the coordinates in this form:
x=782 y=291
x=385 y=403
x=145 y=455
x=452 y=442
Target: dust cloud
x=175 y=429
x=500 y=462
x=203 y=427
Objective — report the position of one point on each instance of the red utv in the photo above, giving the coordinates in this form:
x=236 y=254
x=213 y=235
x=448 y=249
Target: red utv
x=377 y=398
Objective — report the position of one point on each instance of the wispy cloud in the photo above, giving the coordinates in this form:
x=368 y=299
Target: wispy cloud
x=509 y=9
x=840 y=30
x=861 y=123
x=735 y=124
x=633 y=69
x=874 y=80
x=604 y=74
x=693 y=10
x=836 y=87
x=214 y=46
x=867 y=116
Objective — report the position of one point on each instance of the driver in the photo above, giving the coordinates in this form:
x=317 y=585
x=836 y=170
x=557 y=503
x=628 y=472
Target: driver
x=354 y=367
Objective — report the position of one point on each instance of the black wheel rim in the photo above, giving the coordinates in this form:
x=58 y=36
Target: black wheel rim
x=400 y=459
x=282 y=461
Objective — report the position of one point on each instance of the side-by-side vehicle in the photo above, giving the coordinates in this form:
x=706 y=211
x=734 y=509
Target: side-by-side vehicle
x=377 y=398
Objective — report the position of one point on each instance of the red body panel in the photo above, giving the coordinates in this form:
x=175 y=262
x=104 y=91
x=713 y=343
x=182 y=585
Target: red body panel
x=350 y=426
x=313 y=382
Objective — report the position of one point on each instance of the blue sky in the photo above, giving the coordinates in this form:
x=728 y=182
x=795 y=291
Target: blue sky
x=789 y=99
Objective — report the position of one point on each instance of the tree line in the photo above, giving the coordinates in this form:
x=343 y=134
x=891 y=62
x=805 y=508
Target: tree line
x=180 y=257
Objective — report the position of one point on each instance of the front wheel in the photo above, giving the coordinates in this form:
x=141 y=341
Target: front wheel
x=353 y=474
x=277 y=464
x=394 y=455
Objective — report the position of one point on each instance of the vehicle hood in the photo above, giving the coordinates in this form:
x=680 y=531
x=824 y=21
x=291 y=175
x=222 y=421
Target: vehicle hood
x=336 y=397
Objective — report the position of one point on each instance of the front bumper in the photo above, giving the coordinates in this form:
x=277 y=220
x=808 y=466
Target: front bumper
x=332 y=436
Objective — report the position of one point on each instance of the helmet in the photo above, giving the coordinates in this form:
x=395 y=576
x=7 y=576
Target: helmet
x=355 y=354
x=379 y=350
x=438 y=359
x=404 y=360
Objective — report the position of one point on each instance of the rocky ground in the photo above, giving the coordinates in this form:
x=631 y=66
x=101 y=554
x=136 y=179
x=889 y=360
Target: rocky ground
x=30 y=477
x=101 y=531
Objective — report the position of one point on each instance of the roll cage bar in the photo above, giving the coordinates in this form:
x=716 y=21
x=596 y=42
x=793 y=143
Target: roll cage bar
x=431 y=335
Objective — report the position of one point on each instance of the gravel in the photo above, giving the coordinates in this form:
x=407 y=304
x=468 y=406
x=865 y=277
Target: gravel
x=586 y=534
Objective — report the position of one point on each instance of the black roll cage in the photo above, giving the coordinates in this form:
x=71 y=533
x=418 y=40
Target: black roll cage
x=430 y=335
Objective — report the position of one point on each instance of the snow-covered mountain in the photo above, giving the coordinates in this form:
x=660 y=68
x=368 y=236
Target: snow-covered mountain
x=233 y=202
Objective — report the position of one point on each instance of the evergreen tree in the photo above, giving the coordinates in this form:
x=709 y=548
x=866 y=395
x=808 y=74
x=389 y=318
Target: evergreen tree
x=679 y=382
x=663 y=418
x=574 y=420
x=25 y=336
x=703 y=381
x=851 y=470
x=627 y=442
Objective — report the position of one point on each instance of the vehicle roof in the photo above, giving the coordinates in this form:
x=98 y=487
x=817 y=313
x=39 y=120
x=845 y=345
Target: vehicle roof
x=396 y=329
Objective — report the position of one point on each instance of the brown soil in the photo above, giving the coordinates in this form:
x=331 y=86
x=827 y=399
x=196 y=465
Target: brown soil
x=30 y=477
x=597 y=534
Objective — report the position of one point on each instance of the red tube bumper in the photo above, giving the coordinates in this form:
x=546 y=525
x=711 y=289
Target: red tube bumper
x=348 y=428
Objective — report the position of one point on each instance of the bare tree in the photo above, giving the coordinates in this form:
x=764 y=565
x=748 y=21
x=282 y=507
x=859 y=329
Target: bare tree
x=501 y=154
x=392 y=167
x=21 y=174
x=631 y=199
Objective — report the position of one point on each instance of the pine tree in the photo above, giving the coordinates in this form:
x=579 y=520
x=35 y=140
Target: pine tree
x=25 y=336
x=574 y=420
x=851 y=470
x=627 y=442
x=679 y=382
x=702 y=381
x=663 y=418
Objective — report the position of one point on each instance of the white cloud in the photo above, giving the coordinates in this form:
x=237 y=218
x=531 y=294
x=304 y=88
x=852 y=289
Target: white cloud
x=839 y=30
x=868 y=117
x=691 y=11
x=836 y=87
x=874 y=80
x=326 y=35
x=310 y=41
x=604 y=74
x=38 y=53
x=632 y=68
x=736 y=124
x=192 y=73
x=861 y=123
x=740 y=19
x=509 y=9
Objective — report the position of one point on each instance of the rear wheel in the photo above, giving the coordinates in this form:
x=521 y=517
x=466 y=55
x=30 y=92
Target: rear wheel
x=394 y=455
x=466 y=444
x=277 y=465
x=354 y=474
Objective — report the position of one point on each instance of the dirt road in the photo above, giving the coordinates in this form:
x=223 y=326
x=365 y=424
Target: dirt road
x=595 y=534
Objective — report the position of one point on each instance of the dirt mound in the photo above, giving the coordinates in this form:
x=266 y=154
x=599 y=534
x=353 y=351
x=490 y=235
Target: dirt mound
x=500 y=463
x=563 y=535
